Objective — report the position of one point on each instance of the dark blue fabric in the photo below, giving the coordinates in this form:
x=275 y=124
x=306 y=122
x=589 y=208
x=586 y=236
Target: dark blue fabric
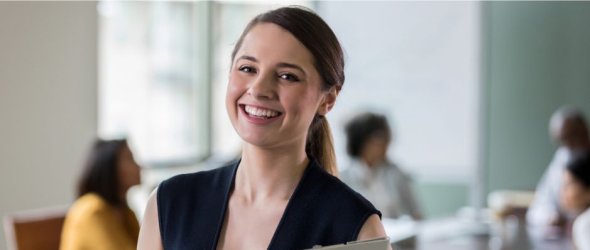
x=322 y=210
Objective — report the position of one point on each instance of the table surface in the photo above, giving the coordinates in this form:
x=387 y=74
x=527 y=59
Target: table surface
x=457 y=233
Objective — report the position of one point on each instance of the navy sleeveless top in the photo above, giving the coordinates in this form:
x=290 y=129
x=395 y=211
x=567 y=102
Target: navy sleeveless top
x=321 y=211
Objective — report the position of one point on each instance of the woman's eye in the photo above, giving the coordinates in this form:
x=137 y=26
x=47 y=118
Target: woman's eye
x=246 y=69
x=289 y=77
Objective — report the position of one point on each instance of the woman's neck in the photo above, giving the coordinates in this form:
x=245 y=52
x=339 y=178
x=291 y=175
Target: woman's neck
x=269 y=173
x=372 y=162
x=123 y=199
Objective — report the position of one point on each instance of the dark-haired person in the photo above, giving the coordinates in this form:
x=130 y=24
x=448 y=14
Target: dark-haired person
x=287 y=70
x=371 y=173
x=100 y=218
x=575 y=197
x=569 y=129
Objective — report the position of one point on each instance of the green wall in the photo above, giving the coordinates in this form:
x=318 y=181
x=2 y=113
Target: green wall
x=441 y=199
x=537 y=57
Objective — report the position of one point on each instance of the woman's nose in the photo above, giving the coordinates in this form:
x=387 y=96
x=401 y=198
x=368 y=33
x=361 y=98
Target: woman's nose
x=263 y=87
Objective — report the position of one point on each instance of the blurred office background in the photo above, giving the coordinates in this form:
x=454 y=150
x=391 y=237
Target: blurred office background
x=467 y=86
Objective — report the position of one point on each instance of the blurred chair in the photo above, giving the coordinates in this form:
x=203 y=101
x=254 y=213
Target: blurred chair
x=505 y=203
x=508 y=208
x=35 y=229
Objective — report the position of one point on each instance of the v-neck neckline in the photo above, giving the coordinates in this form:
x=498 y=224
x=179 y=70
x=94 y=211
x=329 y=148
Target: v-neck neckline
x=229 y=188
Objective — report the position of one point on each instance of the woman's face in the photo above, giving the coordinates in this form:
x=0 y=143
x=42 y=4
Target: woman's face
x=375 y=149
x=574 y=196
x=274 y=89
x=127 y=169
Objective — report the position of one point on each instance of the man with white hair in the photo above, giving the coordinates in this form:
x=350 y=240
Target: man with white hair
x=568 y=128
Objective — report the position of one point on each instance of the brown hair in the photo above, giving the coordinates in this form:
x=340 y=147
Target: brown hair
x=361 y=128
x=321 y=41
x=579 y=166
x=100 y=172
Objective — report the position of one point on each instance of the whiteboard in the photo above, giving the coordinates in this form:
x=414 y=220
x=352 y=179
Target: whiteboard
x=419 y=64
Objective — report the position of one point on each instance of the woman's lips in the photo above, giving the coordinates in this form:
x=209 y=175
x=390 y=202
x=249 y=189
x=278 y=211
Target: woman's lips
x=259 y=115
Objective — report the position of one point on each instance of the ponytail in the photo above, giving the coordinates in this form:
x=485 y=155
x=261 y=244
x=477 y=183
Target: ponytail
x=320 y=145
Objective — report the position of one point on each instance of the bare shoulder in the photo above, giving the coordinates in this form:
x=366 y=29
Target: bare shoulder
x=373 y=228
x=149 y=233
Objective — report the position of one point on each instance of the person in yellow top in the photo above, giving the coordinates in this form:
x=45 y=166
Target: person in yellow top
x=100 y=218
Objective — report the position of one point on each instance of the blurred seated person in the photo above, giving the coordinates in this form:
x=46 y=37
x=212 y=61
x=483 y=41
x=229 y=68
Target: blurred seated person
x=100 y=218
x=370 y=172
x=568 y=128
x=575 y=197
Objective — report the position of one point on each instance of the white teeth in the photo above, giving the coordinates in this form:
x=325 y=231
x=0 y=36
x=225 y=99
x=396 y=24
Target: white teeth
x=260 y=112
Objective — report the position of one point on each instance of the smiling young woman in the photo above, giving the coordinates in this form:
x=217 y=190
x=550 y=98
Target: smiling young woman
x=287 y=70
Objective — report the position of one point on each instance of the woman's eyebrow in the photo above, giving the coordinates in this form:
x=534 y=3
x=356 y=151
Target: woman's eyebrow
x=280 y=65
x=249 y=58
x=290 y=65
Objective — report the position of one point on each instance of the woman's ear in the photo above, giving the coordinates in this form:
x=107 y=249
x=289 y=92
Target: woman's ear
x=328 y=101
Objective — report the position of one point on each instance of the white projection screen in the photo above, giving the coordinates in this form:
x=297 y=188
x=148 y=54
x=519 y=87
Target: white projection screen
x=419 y=64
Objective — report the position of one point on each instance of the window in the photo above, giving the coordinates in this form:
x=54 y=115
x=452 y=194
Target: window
x=162 y=76
x=149 y=79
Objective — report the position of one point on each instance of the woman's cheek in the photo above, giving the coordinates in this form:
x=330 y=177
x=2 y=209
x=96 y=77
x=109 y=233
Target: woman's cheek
x=232 y=91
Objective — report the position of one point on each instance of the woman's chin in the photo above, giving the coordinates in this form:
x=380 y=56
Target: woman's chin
x=255 y=139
